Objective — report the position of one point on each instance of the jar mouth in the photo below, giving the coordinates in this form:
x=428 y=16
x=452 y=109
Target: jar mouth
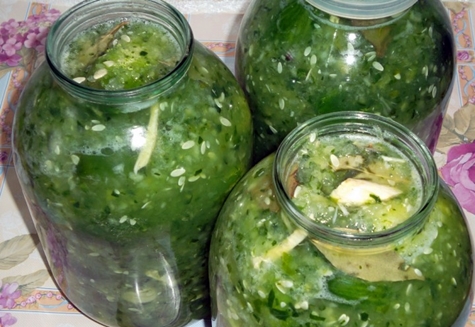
x=362 y=9
x=93 y=12
x=361 y=124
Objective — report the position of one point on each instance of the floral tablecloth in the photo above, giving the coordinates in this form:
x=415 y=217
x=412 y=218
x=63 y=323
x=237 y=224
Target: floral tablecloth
x=28 y=295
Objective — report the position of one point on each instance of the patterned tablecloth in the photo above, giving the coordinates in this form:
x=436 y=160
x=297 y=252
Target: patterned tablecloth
x=28 y=296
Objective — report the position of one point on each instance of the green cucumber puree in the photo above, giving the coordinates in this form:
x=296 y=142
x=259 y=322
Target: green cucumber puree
x=267 y=272
x=126 y=199
x=121 y=55
x=295 y=61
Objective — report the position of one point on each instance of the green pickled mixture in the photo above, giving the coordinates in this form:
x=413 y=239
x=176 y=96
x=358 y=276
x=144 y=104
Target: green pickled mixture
x=125 y=194
x=295 y=61
x=266 y=271
x=347 y=184
x=117 y=56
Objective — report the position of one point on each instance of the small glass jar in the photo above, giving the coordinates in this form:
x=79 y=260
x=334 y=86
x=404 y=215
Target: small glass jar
x=127 y=140
x=347 y=224
x=299 y=58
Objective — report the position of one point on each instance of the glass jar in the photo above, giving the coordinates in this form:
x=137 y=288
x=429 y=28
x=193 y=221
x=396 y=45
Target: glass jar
x=347 y=224
x=127 y=140
x=299 y=58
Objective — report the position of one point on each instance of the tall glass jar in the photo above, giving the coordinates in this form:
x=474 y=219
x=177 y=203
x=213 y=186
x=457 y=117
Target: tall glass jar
x=299 y=58
x=347 y=224
x=127 y=140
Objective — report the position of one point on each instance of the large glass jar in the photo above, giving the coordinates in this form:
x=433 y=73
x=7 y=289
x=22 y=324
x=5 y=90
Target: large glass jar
x=347 y=224
x=299 y=58
x=127 y=140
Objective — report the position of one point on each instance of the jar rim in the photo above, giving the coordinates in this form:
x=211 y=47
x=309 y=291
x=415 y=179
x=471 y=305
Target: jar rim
x=368 y=124
x=363 y=9
x=77 y=17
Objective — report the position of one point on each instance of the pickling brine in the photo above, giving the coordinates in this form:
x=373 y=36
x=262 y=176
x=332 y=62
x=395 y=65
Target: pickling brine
x=127 y=140
x=347 y=224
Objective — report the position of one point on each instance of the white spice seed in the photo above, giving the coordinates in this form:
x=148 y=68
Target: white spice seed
x=188 y=145
x=334 y=160
x=425 y=71
x=224 y=121
x=313 y=60
x=123 y=219
x=218 y=104
x=108 y=63
x=279 y=67
x=178 y=172
x=125 y=38
x=181 y=181
x=344 y=320
x=307 y=51
x=281 y=103
x=287 y=283
x=75 y=159
x=397 y=76
x=378 y=66
x=163 y=106
x=100 y=73
x=98 y=128
x=221 y=97
x=313 y=137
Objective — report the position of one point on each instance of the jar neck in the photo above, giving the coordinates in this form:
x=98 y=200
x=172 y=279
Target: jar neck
x=93 y=12
x=363 y=9
x=360 y=124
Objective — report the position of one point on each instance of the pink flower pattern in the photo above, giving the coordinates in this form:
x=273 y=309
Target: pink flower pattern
x=9 y=292
x=6 y=319
x=28 y=34
x=459 y=174
x=19 y=40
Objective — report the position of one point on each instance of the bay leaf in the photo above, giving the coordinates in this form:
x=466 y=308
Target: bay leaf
x=90 y=54
x=385 y=265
